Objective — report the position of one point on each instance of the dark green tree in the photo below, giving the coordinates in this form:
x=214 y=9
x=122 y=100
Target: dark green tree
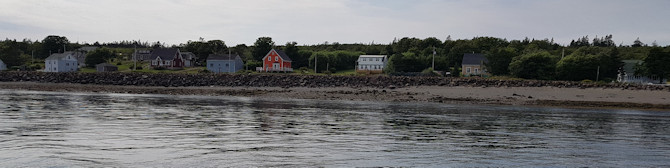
x=499 y=60
x=11 y=55
x=536 y=65
x=262 y=46
x=54 y=44
x=100 y=55
x=637 y=43
x=657 y=63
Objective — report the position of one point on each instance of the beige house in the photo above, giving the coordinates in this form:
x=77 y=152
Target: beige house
x=473 y=65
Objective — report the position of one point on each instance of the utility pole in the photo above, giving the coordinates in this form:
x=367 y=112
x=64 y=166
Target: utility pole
x=598 y=74
x=434 y=58
x=135 y=58
x=315 y=57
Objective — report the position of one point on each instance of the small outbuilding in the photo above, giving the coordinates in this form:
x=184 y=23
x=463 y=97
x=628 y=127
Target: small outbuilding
x=105 y=67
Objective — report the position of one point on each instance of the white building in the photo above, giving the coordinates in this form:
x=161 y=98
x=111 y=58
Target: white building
x=371 y=63
x=61 y=62
x=627 y=74
x=3 y=66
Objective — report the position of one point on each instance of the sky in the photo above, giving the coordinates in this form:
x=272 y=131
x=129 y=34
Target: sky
x=344 y=21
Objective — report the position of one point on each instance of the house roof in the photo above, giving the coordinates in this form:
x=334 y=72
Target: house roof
x=188 y=55
x=88 y=48
x=629 y=65
x=164 y=53
x=283 y=55
x=373 y=56
x=474 y=59
x=223 y=57
x=2 y=62
x=57 y=56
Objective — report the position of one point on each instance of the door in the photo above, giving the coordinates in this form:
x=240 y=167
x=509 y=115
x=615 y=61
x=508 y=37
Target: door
x=275 y=66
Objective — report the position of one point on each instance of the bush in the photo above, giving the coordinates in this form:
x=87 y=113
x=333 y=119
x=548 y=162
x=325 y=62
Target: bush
x=587 y=81
x=119 y=63
x=159 y=68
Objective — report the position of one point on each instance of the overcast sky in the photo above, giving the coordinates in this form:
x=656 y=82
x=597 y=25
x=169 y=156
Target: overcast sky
x=344 y=21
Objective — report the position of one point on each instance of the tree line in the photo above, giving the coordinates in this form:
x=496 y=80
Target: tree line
x=583 y=58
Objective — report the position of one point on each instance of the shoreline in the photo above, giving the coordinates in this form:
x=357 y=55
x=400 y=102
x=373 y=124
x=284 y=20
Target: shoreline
x=523 y=96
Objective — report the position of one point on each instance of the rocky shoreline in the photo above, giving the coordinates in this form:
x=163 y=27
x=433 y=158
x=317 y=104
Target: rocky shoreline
x=353 y=88
x=294 y=80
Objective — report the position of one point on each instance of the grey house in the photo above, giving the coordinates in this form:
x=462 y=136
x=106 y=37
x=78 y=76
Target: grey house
x=105 y=67
x=224 y=63
x=61 y=62
x=3 y=66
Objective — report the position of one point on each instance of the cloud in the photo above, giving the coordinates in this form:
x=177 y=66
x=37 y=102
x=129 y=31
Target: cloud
x=346 y=21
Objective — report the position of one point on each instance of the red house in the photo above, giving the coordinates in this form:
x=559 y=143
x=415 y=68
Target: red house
x=167 y=58
x=276 y=61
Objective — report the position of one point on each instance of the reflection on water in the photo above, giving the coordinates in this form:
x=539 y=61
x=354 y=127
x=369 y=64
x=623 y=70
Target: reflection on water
x=39 y=129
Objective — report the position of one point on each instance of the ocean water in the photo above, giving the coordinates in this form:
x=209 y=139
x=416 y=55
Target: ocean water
x=52 y=129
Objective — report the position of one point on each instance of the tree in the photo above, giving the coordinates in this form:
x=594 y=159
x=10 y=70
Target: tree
x=100 y=55
x=657 y=63
x=637 y=43
x=53 y=44
x=216 y=46
x=262 y=46
x=11 y=55
x=291 y=49
x=499 y=60
x=536 y=65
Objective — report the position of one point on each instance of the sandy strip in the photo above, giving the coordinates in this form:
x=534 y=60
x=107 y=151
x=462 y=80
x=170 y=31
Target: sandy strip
x=542 y=96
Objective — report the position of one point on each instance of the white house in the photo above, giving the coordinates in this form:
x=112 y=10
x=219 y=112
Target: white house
x=61 y=62
x=627 y=74
x=371 y=63
x=224 y=63
x=3 y=66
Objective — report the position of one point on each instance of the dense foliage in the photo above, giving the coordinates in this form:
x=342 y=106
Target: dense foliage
x=584 y=58
x=100 y=55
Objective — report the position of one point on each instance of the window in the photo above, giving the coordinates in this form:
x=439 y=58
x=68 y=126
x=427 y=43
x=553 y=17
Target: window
x=269 y=58
x=67 y=64
x=467 y=70
x=226 y=64
x=476 y=70
x=211 y=65
x=277 y=58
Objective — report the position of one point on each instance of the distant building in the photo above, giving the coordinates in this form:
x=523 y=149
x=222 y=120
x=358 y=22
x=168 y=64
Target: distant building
x=105 y=67
x=142 y=55
x=276 y=61
x=169 y=58
x=61 y=62
x=224 y=63
x=371 y=63
x=189 y=59
x=87 y=49
x=473 y=65
x=3 y=66
x=627 y=74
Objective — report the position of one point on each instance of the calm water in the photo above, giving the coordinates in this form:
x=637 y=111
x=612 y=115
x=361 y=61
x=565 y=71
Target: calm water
x=45 y=129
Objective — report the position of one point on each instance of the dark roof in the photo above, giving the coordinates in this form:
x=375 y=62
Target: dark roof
x=281 y=54
x=164 y=53
x=223 y=57
x=629 y=65
x=188 y=55
x=474 y=59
